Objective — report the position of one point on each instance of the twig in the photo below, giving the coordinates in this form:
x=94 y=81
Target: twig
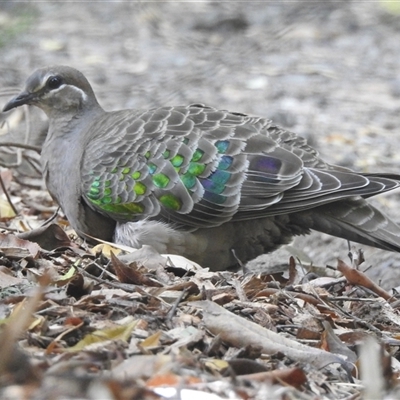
x=8 y=229
x=173 y=309
x=28 y=124
x=26 y=146
x=345 y=298
x=7 y=195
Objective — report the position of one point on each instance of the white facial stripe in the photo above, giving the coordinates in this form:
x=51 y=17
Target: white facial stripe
x=80 y=91
x=83 y=94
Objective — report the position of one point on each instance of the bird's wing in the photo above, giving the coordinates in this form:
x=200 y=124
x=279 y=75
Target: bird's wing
x=199 y=167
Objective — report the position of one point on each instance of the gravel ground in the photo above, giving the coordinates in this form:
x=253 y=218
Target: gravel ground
x=328 y=71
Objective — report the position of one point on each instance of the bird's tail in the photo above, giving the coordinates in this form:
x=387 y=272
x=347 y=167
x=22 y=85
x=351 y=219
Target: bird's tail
x=354 y=220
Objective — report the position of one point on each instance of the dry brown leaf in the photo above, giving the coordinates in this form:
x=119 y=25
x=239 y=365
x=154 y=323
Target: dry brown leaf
x=308 y=334
x=333 y=344
x=303 y=296
x=7 y=279
x=291 y=376
x=356 y=277
x=14 y=247
x=293 y=275
x=170 y=379
x=353 y=338
x=48 y=237
x=131 y=274
x=190 y=287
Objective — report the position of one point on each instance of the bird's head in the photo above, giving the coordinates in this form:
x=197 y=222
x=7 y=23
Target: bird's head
x=56 y=90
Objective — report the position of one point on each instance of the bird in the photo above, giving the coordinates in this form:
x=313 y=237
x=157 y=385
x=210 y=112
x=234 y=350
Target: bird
x=215 y=186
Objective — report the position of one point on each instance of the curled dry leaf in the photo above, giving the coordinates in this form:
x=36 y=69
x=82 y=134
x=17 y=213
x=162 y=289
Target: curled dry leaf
x=308 y=298
x=48 y=237
x=356 y=277
x=131 y=273
x=291 y=376
x=332 y=343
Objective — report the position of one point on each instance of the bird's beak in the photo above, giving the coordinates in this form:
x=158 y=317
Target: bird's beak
x=19 y=100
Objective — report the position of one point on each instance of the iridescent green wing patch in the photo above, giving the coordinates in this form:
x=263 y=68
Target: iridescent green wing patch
x=110 y=192
x=181 y=162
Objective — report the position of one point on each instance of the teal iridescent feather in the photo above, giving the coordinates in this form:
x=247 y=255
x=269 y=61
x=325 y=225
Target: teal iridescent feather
x=103 y=194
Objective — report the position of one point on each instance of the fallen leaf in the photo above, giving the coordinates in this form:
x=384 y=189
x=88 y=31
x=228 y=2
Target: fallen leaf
x=291 y=376
x=6 y=210
x=14 y=247
x=240 y=332
x=131 y=274
x=121 y=332
x=356 y=277
x=333 y=344
x=48 y=237
x=151 y=341
x=7 y=280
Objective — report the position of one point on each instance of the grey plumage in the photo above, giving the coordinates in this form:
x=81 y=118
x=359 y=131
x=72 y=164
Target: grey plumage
x=194 y=180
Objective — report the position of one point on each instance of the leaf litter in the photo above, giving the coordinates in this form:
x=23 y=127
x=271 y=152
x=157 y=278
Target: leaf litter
x=119 y=323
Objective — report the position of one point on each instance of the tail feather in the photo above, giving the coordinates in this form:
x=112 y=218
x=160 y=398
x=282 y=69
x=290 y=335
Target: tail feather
x=356 y=221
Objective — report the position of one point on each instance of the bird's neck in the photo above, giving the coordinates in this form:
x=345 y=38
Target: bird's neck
x=63 y=124
x=62 y=155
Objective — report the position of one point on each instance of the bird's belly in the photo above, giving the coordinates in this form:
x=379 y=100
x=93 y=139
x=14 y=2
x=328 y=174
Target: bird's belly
x=217 y=248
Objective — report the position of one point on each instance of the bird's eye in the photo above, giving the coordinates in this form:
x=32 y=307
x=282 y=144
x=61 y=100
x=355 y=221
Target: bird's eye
x=54 y=82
